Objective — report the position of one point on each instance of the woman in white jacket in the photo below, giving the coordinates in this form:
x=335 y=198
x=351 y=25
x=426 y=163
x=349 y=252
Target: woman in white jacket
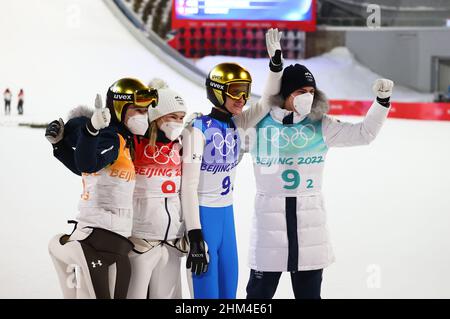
x=158 y=228
x=289 y=230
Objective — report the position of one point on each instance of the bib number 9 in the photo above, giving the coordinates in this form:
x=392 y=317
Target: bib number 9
x=292 y=179
x=226 y=185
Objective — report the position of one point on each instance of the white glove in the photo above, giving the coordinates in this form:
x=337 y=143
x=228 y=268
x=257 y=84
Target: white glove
x=273 y=44
x=191 y=118
x=101 y=117
x=383 y=88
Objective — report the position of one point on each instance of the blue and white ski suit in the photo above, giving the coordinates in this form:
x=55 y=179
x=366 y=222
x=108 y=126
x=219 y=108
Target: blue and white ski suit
x=210 y=155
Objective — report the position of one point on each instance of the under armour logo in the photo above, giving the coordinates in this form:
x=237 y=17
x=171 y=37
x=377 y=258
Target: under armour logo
x=208 y=123
x=95 y=264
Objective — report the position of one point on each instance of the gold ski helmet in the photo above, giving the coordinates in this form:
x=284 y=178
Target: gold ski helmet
x=127 y=91
x=228 y=79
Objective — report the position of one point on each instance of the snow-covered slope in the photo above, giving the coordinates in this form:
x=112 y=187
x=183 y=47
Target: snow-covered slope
x=63 y=52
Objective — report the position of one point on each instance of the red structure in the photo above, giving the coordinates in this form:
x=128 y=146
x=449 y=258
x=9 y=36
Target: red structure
x=402 y=110
x=196 y=38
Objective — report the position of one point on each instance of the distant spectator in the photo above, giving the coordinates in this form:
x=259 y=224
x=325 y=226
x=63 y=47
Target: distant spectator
x=7 y=97
x=20 y=102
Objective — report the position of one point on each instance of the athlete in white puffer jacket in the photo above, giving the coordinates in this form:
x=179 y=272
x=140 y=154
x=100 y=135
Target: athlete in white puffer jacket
x=289 y=231
x=158 y=227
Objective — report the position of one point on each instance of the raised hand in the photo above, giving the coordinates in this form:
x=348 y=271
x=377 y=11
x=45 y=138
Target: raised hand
x=383 y=88
x=102 y=116
x=273 y=44
x=55 y=131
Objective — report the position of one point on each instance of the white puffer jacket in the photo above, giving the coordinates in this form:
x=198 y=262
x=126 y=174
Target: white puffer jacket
x=294 y=231
x=156 y=198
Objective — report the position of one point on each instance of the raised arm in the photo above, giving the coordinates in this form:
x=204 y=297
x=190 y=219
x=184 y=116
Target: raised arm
x=93 y=153
x=84 y=145
x=97 y=144
x=62 y=149
x=340 y=134
x=251 y=116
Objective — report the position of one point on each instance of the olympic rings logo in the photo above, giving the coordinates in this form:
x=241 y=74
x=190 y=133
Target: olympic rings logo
x=282 y=138
x=219 y=142
x=163 y=155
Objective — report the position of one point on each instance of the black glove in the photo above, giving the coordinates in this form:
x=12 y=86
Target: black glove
x=198 y=252
x=384 y=102
x=276 y=62
x=383 y=90
x=273 y=44
x=55 y=131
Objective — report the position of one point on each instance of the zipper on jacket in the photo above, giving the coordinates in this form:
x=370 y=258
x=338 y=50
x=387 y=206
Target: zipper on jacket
x=170 y=220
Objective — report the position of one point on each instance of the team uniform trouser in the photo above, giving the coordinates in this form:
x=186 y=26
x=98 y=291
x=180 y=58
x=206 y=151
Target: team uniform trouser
x=221 y=279
x=92 y=265
x=155 y=274
x=71 y=269
x=305 y=284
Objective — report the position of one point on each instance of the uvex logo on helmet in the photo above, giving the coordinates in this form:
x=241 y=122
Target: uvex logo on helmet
x=217 y=85
x=123 y=97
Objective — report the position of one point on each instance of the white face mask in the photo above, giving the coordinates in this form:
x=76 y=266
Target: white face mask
x=137 y=124
x=172 y=130
x=303 y=104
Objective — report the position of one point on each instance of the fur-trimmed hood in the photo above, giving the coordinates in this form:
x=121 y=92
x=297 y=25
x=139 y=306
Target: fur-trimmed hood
x=80 y=111
x=319 y=107
x=83 y=111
